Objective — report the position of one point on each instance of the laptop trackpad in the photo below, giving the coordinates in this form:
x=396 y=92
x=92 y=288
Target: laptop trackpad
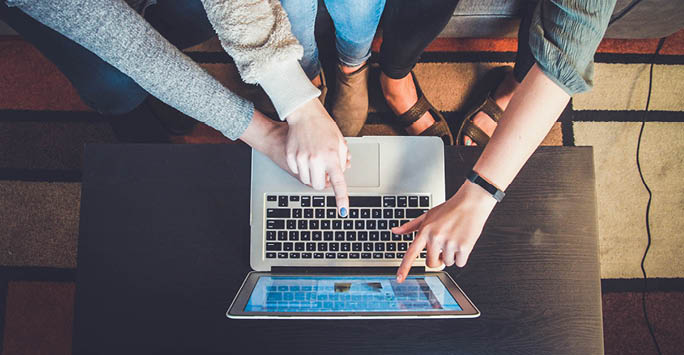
x=365 y=165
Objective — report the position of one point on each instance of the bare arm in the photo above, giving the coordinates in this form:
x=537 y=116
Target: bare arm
x=450 y=230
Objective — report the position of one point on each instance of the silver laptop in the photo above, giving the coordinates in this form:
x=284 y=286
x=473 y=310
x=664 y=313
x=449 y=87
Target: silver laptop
x=309 y=262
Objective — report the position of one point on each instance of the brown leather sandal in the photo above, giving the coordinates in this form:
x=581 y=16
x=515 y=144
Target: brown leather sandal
x=440 y=128
x=487 y=105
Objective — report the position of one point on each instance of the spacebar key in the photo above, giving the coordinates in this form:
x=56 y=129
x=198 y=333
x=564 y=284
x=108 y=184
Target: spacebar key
x=365 y=201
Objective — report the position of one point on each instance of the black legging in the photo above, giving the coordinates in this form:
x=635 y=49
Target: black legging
x=408 y=26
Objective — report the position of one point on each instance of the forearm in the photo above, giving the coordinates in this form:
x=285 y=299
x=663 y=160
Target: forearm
x=536 y=105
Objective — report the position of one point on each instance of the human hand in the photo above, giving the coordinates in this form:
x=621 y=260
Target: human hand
x=317 y=152
x=449 y=231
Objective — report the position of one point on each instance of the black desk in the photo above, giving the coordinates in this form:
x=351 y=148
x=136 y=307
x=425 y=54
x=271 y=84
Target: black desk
x=164 y=247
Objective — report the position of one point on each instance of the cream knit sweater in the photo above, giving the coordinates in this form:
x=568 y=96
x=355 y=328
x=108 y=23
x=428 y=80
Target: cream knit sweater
x=256 y=33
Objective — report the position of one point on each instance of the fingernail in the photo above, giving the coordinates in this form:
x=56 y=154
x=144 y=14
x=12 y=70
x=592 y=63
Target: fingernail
x=343 y=212
x=398 y=278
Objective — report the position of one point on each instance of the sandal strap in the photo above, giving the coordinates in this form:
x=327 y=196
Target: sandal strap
x=439 y=129
x=414 y=113
x=475 y=133
x=492 y=109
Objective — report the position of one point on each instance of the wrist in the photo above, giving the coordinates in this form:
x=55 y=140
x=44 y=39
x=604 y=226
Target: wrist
x=302 y=113
x=256 y=133
x=477 y=196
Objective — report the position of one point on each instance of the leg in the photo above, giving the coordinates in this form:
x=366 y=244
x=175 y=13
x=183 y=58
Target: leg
x=355 y=24
x=302 y=16
x=408 y=27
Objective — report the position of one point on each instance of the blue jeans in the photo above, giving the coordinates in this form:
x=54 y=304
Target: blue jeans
x=355 y=24
x=100 y=85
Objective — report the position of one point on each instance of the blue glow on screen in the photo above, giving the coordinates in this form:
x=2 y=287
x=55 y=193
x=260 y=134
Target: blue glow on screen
x=350 y=294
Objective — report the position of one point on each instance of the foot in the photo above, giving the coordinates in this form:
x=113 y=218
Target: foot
x=401 y=95
x=349 y=108
x=502 y=96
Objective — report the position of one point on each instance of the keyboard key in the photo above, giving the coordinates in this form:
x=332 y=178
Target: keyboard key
x=293 y=235
x=325 y=224
x=402 y=201
x=299 y=246
x=270 y=235
x=345 y=246
x=339 y=236
x=305 y=235
x=302 y=224
x=310 y=246
x=330 y=255
x=376 y=213
x=330 y=213
x=365 y=255
x=423 y=255
x=297 y=213
x=365 y=213
x=308 y=213
x=370 y=224
x=364 y=201
x=294 y=198
x=414 y=212
x=278 y=213
x=282 y=235
x=294 y=255
x=273 y=246
x=353 y=213
x=318 y=201
x=353 y=255
x=382 y=224
x=374 y=236
x=341 y=255
x=313 y=224
x=363 y=235
x=322 y=246
x=334 y=246
x=331 y=202
x=275 y=224
x=379 y=247
x=388 y=213
x=291 y=224
x=305 y=201
x=320 y=213
x=413 y=201
x=367 y=246
x=282 y=255
x=389 y=255
x=288 y=246
x=396 y=237
x=408 y=237
x=318 y=255
x=271 y=198
x=389 y=201
x=393 y=223
x=403 y=221
x=400 y=255
x=377 y=255
x=402 y=246
x=282 y=201
x=424 y=201
x=348 y=224
x=391 y=247
x=385 y=236
x=337 y=224
x=351 y=236
x=356 y=246
x=399 y=213
x=316 y=235
x=270 y=255
x=306 y=255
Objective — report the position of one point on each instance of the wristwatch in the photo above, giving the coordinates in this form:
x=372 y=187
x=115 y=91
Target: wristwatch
x=475 y=178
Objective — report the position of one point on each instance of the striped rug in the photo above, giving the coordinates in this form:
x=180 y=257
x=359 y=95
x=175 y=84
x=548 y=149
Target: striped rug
x=44 y=124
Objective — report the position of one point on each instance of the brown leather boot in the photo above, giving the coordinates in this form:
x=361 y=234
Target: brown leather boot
x=323 y=88
x=350 y=106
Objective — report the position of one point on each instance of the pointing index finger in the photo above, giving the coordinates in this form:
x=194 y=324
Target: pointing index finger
x=339 y=185
x=411 y=255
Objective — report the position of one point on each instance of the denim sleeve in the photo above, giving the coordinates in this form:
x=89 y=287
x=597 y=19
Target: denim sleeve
x=564 y=35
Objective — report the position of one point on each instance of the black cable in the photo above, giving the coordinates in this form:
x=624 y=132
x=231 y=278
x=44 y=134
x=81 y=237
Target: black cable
x=650 y=196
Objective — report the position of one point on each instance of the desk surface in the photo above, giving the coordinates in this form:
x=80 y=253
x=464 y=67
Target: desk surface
x=164 y=241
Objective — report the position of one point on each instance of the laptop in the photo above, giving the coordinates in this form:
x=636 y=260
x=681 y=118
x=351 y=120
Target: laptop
x=310 y=263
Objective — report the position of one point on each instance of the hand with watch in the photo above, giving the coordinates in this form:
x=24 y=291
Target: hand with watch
x=449 y=231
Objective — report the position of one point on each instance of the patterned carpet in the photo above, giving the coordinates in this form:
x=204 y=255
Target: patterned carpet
x=44 y=124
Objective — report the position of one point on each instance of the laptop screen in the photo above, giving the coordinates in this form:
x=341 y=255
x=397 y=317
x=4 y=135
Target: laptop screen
x=350 y=294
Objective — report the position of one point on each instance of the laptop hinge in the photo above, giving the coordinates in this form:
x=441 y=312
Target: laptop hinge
x=390 y=270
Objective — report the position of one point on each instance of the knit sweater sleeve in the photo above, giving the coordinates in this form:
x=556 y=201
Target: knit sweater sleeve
x=122 y=38
x=257 y=35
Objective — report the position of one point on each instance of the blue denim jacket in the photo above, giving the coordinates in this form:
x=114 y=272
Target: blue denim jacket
x=564 y=35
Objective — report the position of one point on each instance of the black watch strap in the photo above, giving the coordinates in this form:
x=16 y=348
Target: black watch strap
x=475 y=178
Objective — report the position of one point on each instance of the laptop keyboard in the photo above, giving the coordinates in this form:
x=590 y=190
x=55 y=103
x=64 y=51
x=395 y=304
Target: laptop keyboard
x=308 y=226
